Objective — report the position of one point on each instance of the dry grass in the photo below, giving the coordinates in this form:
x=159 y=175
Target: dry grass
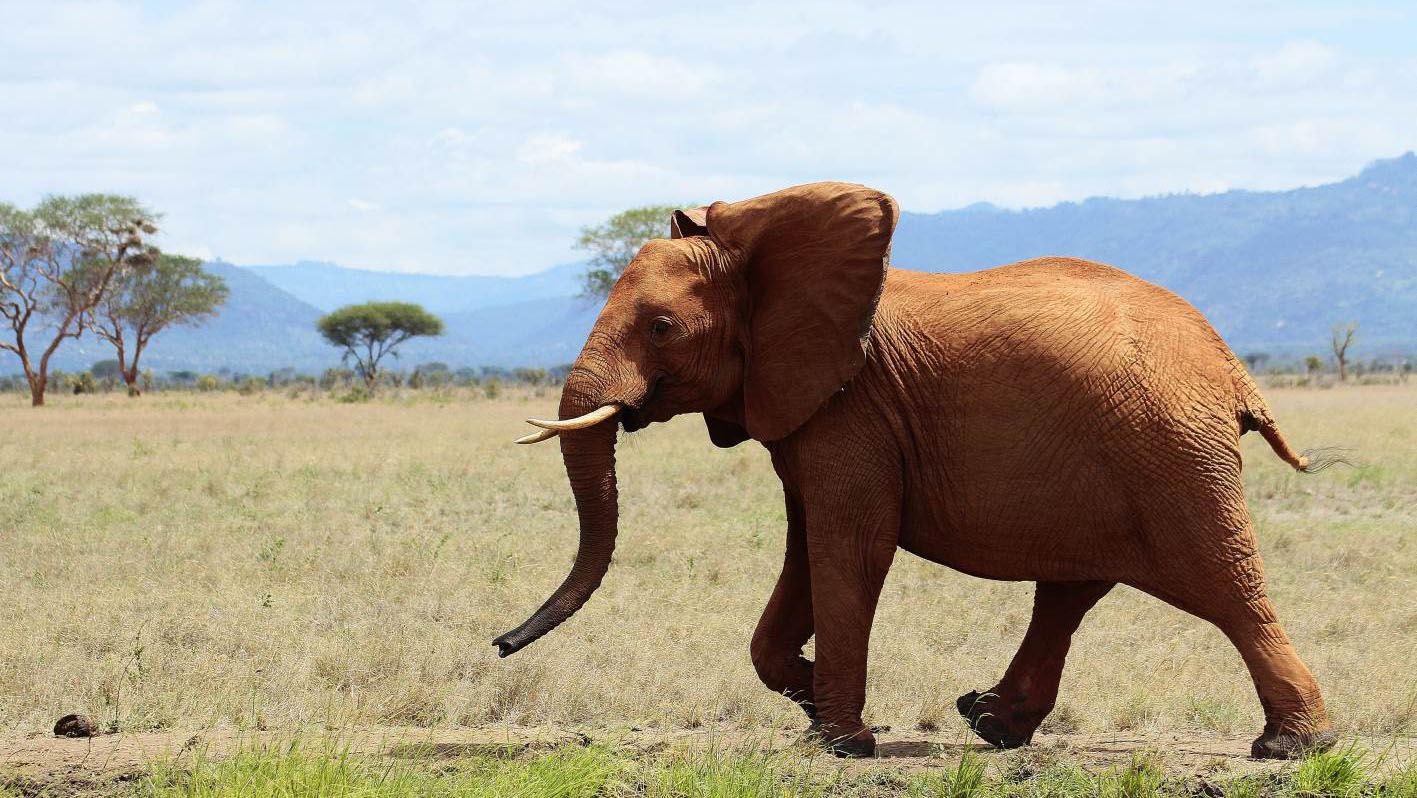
x=184 y=561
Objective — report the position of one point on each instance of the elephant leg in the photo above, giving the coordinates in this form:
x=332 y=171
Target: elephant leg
x=786 y=624
x=1008 y=714
x=1233 y=597
x=1296 y=721
x=849 y=557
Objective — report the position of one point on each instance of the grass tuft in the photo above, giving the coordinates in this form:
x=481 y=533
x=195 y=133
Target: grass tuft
x=1331 y=774
x=967 y=779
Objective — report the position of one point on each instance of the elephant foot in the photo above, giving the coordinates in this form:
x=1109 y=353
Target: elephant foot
x=984 y=712
x=859 y=745
x=815 y=727
x=1290 y=745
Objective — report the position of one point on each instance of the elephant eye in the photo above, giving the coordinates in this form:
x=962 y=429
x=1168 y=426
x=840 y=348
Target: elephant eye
x=659 y=328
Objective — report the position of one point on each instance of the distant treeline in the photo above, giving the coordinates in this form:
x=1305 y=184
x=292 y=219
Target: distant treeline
x=105 y=376
x=1262 y=363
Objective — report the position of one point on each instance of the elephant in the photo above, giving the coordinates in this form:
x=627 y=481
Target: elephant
x=1055 y=420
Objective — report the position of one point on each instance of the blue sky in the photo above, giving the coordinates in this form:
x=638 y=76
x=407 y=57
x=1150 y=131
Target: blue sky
x=477 y=137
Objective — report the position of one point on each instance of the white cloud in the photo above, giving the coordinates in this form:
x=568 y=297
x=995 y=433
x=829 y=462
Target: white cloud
x=636 y=73
x=1295 y=62
x=541 y=148
x=490 y=133
x=1035 y=87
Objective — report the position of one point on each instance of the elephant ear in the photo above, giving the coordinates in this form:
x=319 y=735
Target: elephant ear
x=814 y=261
x=689 y=223
x=724 y=434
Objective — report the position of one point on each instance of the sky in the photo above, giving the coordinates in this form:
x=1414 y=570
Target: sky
x=477 y=138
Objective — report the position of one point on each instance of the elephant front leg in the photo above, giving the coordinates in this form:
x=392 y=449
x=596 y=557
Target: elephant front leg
x=1008 y=714
x=786 y=624
x=848 y=566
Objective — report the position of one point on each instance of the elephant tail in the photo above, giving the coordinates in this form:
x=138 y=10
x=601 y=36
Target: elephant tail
x=1275 y=439
x=1310 y=461
x=1254 y=415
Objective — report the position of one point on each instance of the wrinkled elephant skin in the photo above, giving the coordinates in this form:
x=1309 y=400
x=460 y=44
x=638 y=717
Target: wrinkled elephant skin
x=1057 y=421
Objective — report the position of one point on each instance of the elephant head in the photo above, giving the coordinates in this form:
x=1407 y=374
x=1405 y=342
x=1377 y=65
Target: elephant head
x=753 y=313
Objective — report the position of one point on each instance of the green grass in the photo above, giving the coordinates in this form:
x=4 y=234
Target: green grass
x=298 y=771
x=1333 y=774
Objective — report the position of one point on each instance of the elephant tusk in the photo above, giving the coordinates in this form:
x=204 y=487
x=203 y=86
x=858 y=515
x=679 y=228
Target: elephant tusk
x=539 y=436
x=579 y=422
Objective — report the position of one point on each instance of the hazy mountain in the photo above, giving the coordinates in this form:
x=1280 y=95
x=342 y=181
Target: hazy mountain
x=259 y=328
x=1272 y=270
x=262 y=328
x=327 y=286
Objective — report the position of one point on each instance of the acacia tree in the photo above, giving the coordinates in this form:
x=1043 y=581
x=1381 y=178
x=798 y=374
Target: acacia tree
x=370 y=331
x=614 y=242
x=147 y=299
x=1343 y=335
x=56 y=263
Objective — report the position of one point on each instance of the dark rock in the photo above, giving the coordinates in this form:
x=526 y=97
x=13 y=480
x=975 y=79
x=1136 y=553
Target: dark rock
x=75 y=726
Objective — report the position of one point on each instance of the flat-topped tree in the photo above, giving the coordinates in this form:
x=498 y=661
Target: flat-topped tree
x=372 y=330
x=149 y=298
x=57 y=261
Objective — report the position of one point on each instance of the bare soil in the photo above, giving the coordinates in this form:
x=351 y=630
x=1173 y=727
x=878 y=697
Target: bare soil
x=43 y=763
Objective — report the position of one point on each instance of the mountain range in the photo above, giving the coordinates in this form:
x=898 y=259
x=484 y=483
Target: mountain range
x=1273 y=270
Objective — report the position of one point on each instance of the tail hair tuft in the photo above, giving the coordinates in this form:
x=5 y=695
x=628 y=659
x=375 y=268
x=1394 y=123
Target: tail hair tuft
x=1316 y=460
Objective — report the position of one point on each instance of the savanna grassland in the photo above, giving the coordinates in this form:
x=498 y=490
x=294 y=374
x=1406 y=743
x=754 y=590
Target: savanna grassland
x=214 y=561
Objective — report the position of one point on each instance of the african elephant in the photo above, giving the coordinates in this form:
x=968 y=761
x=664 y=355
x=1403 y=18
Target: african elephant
x=1056 y=420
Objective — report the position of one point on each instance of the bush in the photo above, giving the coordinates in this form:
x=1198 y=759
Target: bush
x=529 y=376
x=358 y=392
x=82 y=383
x=336 y=377
x=207 y=383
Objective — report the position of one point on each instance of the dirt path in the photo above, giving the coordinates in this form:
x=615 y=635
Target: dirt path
x=79 y=765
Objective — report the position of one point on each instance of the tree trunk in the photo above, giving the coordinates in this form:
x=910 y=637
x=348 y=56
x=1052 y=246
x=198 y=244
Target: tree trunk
x=130 y=371
x=36 y=381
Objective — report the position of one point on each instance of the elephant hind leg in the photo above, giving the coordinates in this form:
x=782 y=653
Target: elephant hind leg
x=786 y=623
x=1233 y=597
x=1008 y=714
x=1296 y=721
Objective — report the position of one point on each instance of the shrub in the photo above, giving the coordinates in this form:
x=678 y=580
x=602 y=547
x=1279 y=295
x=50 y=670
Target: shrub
x=82 y=383
x=336 y=377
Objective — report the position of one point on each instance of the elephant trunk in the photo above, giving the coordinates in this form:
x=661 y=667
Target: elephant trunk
x=589 y=455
